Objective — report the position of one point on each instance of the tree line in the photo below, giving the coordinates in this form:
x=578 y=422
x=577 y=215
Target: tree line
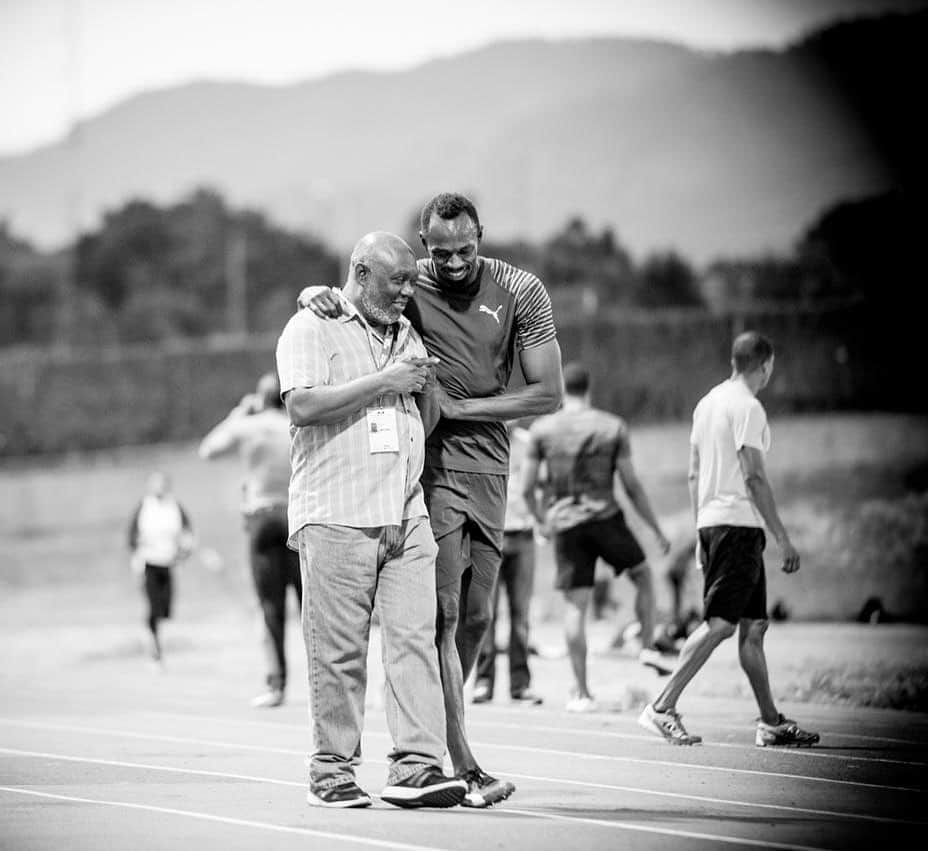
x=200 y=267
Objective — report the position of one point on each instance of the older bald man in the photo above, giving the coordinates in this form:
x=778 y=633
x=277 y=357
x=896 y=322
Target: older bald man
x=358 y=518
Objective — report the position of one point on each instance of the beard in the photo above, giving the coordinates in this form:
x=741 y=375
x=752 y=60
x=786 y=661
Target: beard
x=383 y=313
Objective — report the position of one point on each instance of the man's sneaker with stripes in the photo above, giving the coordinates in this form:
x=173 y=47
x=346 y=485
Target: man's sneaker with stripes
x=668 y=724
x=786 y=733
x=343 y=796
x=426 y=788
x=484 y=790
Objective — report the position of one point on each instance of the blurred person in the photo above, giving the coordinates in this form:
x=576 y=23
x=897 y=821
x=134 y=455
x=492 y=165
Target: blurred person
x=258 y=429
x=358 y=518
x=585 y=450
x=732 y=500
x=517 y=574
x=160 y=538
x=475 y=314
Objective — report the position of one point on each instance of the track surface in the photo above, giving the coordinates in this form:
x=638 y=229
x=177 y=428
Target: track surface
x=105 y=752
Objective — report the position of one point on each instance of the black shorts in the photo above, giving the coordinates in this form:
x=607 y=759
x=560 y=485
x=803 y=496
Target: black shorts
x=467 y=512
x=576 y=551
x=158 y=590
x=733 y=567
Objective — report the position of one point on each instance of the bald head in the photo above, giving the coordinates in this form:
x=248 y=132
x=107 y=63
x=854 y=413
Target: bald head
x=381 y=278
x=380 y=247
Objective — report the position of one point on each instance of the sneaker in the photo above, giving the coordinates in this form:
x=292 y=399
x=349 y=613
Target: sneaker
x=656 y=660
x=785 y=734
x=269 y=699
x=426 y=788
x=484 y=790
x=528 y=697
x=668 y=724
x=343 y=796
x=582 y=704
x=482 y=692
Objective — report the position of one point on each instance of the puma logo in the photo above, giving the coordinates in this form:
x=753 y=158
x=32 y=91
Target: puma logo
x=493 y=313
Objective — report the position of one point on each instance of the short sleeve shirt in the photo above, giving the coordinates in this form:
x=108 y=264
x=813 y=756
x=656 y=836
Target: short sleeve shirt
x=726 y=419
x=335 y=478
x=580 y=449
x=476 y=335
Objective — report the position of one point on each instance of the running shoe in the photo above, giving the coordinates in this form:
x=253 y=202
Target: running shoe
x=668 y=724
x=582 y=704
x=786 y=733
x=528 y=697
x=426 y=788
x=660 y=662
x=484 y=790
x=268 y=700
x=343 y=796
x=482 y=692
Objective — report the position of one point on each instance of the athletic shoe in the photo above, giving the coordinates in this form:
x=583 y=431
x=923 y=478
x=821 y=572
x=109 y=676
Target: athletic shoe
x=785 y=734
x=658 y=661
x=426 y=788
x=482 y=692
x=483 y=790
x=343 y=796
x=668 y=724
x=528 y=697
x=268 y=700
x=582 y=704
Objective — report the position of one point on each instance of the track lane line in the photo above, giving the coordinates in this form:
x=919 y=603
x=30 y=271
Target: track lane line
x=554 y=780
x=261 y=825
x=547 y=751
x=791 y=752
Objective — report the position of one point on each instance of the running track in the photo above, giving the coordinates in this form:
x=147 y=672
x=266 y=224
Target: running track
x=109 y=754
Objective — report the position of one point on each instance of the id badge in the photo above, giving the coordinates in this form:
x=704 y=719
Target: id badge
x=381 y=430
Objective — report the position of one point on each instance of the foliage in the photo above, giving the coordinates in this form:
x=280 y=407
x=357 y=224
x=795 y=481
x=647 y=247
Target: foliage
x=163 y=272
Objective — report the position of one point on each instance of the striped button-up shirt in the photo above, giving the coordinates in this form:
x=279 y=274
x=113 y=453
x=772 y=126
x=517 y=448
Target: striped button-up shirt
x=335 y=478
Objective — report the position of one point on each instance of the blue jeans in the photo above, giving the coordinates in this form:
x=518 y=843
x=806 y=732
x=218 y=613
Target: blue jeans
x=346 y=572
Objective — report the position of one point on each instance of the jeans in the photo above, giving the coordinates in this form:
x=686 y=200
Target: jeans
x=274 y=567
x=346 y=572
x=517 y=573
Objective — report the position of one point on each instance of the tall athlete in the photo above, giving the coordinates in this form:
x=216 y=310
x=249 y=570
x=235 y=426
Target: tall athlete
x=476 y=314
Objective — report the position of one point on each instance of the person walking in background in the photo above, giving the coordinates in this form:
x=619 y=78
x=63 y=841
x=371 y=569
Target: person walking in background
x=732 y=500
x=358 y=517
x=475 y=314
x=258 y=429
x=160 y=538
x=517 y=574
x=584 y=449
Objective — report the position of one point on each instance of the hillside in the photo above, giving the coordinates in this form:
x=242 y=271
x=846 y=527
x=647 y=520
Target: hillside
x=710 y=153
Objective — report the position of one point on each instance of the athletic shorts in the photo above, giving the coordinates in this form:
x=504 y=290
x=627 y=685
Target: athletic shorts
x=576 y=551
x=467 y=512
x=733 y=568
x=158 y=589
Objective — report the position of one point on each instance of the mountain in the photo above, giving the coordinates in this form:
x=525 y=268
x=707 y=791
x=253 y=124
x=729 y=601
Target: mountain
x=708 y=153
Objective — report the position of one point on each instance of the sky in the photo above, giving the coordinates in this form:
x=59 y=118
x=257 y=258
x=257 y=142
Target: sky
x=64 y=60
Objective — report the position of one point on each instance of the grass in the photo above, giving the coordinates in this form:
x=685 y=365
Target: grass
x=847 y=486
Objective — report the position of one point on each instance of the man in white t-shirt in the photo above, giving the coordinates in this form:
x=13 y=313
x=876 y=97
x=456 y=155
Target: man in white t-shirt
x=732 y=500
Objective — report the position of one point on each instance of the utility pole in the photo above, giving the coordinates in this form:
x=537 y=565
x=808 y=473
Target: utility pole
x=236 y=281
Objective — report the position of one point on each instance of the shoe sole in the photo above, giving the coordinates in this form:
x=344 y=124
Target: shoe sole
x=662 y=671
x=440 y=795
x=790 y=744
x=482 y=800
x=648 y=724
x=354 y=803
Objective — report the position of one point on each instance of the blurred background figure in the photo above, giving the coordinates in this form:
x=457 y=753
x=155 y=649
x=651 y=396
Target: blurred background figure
x=585 y=450
x=160 y=537
x=258 y=429
x=517 y=574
